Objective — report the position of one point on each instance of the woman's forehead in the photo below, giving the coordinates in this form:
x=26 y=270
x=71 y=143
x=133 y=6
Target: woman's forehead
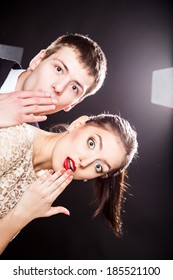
x=108 y=137
x=99 y=129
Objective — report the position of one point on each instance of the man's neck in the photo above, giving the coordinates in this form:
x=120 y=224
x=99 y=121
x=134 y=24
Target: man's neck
x=21 y=79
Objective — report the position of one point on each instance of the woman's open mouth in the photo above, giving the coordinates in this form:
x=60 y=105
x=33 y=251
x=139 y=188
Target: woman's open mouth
x=69 y=164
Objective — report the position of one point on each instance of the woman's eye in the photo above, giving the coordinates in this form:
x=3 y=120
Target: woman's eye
x=59 y=69
x=98 y=167
x=91 y=143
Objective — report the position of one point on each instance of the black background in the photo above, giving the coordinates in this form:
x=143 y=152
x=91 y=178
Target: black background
x=136 y=37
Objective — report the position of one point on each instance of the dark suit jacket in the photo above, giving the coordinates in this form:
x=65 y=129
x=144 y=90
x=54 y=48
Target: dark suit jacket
x=5 y=67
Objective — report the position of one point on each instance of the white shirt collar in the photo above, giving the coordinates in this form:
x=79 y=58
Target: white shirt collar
x=10 y=83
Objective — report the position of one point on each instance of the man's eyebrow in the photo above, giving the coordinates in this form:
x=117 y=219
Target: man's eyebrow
x=66 y=68
x=100 y=147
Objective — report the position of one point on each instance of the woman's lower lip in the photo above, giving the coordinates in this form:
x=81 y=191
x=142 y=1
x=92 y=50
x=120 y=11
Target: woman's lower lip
x=67 y=165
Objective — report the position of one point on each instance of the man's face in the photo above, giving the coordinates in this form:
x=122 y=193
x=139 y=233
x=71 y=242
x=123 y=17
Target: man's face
x=61 y=74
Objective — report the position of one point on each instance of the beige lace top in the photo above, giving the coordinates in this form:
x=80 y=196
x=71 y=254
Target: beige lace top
x=16 y=169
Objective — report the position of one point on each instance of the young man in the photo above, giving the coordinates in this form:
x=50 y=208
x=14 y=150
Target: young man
x=58 y=78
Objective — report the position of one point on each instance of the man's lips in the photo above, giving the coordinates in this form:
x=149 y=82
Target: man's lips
x=69 y=164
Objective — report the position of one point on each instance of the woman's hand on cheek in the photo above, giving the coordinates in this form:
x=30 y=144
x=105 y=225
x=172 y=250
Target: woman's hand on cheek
x=38 y=198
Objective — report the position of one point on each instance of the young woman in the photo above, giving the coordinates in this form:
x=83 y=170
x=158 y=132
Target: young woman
x=97 y=147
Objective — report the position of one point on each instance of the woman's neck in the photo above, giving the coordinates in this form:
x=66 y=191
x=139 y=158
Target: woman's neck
x=43 y=146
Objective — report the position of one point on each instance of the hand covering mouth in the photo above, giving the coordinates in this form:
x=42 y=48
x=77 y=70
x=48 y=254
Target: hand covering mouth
x=69 y=164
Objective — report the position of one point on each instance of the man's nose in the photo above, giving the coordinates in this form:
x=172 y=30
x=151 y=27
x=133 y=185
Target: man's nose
x=59 y=86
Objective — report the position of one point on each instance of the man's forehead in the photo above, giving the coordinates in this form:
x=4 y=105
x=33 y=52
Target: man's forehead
x=65 y=50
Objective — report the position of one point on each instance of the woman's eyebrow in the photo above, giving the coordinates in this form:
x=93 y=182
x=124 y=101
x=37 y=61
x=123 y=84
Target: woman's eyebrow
x=100 y=141
x=100 y=147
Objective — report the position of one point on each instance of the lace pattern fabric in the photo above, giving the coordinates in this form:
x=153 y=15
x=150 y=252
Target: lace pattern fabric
x=16 y=168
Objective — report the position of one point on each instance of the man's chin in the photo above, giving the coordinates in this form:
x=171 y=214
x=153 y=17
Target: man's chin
x=53 y=111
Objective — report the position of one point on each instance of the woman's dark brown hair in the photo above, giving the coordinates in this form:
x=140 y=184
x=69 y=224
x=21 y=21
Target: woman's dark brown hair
x=109 y=189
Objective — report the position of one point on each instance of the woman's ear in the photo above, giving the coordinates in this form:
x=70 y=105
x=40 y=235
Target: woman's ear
x=37 y=59
x=79 y=121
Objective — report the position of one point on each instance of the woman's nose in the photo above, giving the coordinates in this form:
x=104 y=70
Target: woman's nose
x=87 y=160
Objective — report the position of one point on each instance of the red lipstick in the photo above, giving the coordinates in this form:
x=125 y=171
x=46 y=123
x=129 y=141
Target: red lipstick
x=69 y=164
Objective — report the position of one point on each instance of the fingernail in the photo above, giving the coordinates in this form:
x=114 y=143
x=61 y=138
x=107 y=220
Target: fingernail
x=52 y=106
x=62 y=170
x=70 y=177
x=44 y=118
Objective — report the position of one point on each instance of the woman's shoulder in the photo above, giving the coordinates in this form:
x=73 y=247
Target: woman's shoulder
x=14 y=128
x=21 y=133
x=18 y=133
x=15 y=141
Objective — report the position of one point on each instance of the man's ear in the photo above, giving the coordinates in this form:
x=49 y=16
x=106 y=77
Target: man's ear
x=69 y=107
x=79 y=121
x=37 y=59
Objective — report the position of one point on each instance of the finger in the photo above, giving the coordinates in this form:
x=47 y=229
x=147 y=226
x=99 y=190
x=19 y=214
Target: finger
x=61 y=188
x=44 y=175
x=38 y=101
x=32 y=118
x=42 y=178
x=57 y=210
x=51 y=171
x=37 y=109
x=49 y=181
x=3 y=96
x=32 y=93
x=56 y=181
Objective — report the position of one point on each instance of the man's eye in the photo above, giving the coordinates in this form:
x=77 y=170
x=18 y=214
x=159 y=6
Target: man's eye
x=91 y=143
x=74 y=88
x=98 y=167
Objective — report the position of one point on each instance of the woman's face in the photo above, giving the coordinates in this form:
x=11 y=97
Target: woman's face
x=89 y=151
